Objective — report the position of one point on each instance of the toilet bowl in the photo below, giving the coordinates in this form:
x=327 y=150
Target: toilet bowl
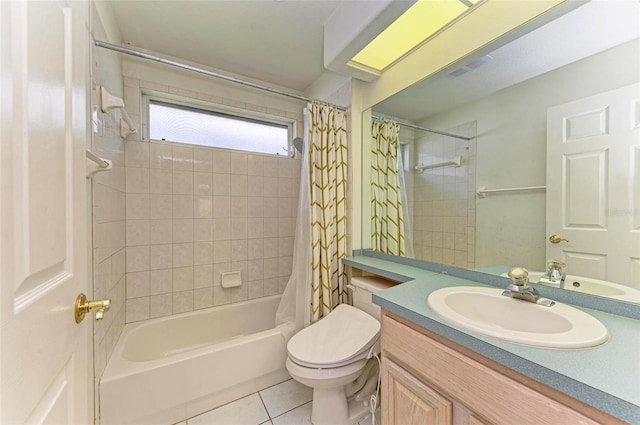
x=334 y=356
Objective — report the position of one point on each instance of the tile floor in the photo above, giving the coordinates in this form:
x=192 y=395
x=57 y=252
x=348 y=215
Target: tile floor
x=287 y=403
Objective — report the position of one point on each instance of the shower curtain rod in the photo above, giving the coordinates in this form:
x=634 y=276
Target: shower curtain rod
x=417 y=127
x=154 y=58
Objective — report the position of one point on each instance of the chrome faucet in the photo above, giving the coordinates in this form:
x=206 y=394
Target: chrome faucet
x=519 y=288
x=555 y=275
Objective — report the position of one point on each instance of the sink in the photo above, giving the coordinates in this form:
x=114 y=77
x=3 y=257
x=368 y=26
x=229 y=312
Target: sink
x=592 y=286
x=488 y=312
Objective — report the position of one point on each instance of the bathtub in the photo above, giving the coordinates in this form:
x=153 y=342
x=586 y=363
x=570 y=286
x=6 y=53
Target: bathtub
x=169 y=369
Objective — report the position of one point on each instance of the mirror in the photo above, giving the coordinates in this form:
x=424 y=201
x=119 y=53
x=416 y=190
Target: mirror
x=501 y=99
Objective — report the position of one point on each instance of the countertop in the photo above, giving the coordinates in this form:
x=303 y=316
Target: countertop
x=606 y=377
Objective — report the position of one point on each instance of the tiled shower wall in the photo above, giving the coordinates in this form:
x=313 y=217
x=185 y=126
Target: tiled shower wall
x=444 y=199
x=108 y=204
x=193 y=213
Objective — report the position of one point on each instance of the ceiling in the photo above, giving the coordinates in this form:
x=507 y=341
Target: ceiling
x=597 y=26
x=275 y=41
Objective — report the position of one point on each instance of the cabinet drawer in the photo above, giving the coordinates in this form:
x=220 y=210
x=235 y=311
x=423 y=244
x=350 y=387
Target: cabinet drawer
x=489 y=393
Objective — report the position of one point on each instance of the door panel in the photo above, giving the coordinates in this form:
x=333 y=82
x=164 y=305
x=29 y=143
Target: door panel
x=593 y=185
x=46 y=356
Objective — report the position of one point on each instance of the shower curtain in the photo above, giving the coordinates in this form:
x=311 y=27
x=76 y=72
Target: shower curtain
x=387 y=221
x=318 y=277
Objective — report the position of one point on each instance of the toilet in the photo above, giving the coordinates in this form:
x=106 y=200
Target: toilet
x=335 y=356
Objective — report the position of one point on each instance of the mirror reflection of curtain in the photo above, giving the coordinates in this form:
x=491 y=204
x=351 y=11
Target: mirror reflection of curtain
x=327 y=137
x=387 y=222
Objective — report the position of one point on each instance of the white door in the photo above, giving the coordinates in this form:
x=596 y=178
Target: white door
x=46 y=356
x=593 y=185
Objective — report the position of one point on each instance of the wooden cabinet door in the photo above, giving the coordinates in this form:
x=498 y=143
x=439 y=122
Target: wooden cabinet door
x=410 y=401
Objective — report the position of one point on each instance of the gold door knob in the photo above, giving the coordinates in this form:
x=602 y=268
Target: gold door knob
x=83 y=307
x=557 y=239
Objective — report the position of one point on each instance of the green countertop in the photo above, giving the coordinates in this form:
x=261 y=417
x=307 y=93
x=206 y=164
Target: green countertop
x=606 y=377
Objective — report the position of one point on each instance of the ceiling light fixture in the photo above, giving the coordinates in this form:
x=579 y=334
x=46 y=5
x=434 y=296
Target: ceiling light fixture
x=420 y=22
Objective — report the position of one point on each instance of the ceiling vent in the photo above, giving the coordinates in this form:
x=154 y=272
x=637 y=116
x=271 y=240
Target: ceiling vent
x=471 y=66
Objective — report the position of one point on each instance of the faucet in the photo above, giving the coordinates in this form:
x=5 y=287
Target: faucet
x=555 y=275
x=519 y=288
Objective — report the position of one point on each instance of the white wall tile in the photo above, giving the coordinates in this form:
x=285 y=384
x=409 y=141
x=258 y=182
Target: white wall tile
x=255 y=186
x=160 y=281
x=182 y=301
x=183 y=206
x=221 y=295
x=270 y=227
x=160 y=181
x=218 y=270
x=182 y=158
x=255 y=249
x=202 y=230
x=137 y=309
x=203 y=206
x=238 y=228
x=203 y=160
x=255 y=289
x=239 y=163
x=255 y=228
x=160 y=305
x=256 y=207
x=137 y=180
x=160 y=231
x=137 y=258
x=221 y=161
x=182 y=182
x=160 y=156
x=202 y=183
x=221 y=184
x=161 y=256
x=160 y=206
x=137 y=154
x=221 y=206
x=270 y=187
x=137 y=284
x=203 y=276
x=137 y=232
x=239 y=207
x=182 y=278
x=221 y=251
x=221 y=229
x=202 y=253
x=182 y=230
x=183 y=254
x=202 y=298
x=255 y=165
x=137 y=206
x=239 y=250
x=270 y=247
x=239 y=185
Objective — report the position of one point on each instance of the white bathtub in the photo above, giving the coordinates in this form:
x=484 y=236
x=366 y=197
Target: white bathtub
x=169 y=369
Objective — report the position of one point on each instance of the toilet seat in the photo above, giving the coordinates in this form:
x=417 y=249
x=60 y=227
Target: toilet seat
x=340 y=338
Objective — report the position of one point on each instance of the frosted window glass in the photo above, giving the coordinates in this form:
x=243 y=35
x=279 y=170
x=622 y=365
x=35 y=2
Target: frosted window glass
x=185 y=125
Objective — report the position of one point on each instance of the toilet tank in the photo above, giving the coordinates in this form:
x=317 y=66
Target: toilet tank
x=363 y=287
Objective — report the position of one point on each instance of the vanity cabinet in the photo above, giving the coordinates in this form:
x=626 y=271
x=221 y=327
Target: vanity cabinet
x=427 y=379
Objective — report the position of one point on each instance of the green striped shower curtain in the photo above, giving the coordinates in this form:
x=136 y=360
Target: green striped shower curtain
x=387 y=227
x=328 y=184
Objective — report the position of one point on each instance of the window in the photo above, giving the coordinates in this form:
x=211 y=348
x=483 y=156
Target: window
x=197 y=125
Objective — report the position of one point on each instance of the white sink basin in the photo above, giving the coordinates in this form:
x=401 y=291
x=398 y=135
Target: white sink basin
x=488 y=312
x=592 y=286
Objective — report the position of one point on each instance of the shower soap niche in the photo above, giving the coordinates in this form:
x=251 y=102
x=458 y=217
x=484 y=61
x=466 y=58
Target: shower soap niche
x=231 y=279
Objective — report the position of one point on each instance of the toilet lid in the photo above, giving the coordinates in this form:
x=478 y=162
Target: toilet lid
x=341 y=335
